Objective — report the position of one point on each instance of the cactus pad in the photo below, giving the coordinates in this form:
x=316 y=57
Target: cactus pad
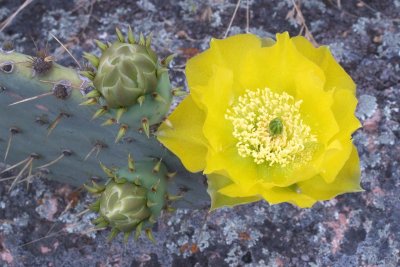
x=43 y=129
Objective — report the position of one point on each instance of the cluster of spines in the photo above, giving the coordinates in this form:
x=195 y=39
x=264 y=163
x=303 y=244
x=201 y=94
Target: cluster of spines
x=97 y=189
x=42 y=63
x=94 y=97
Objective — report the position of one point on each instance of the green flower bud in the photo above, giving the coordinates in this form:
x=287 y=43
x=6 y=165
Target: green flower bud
x=124 y=205
x=126 y=72
x=134 y=197
x=130 y=84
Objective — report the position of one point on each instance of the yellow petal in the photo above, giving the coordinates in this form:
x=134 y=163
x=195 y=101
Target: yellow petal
x=347 y=180
x=242 y=171
x=340 y=147
x=217 y=129
x=234 y=51
x=185 y=138
x=277 y=67
x=217 y=182
x=316 y=108
x=293 y=173
x=222 y=53
x=344 y=107
x=199 y=68
x=290 y=194
x=336 y=76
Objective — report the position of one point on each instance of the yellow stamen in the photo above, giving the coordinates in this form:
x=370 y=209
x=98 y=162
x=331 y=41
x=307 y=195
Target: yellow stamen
x=269 y=127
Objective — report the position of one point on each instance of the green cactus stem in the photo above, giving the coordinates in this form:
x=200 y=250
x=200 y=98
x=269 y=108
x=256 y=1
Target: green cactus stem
x=133 y=198
x=131 y=84
x=44 y=129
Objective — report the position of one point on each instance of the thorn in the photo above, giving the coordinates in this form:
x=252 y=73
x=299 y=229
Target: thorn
x=89 y=84
x=171 y=175
x=126 y=236
x=99 y=219
x=95 y=61
x=168 y=60
x=152 y=219
x=120 y=112
x=15 y=165
x=101 y=45
x=101 y=225
x=29 y=177
x=28 y=164
x=131 y=163
x=173 y=198
x=90 y=189
x=66 y=49
x=120 y=180
x=109 y=122
x=90 y=101
x=93 y=93
x=158 y=97
x=150 y=204
x=121 y=132
x=142 y=41
x=31 y=98
x=131 y=37
x=96 y=187
x=54 y=124
x=97 y=147
x=95 y=207
x=100 y=112
x=140 y=100
x=138 y=230
x=168 y=123
x=63 y=154
x=156 y=167
x=90 y=153
x=148 y=39
x=170 y=209
x=155 y=186
x=146 y=127
x=160 y=71
x=178 y=92
x=114 y=232
x=106 y=170
x=137 y=181
x=13 y=131
x=150 y=236
x=120 y=36
x=88 y=74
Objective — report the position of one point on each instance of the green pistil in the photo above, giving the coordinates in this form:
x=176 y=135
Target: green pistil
x=276 y=126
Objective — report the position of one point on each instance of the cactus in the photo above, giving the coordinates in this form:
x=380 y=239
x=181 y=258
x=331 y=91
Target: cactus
x=133 y=198
x=130 y=84
x=44 y=128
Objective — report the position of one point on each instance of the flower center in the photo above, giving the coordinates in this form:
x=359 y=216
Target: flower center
x=269 y=128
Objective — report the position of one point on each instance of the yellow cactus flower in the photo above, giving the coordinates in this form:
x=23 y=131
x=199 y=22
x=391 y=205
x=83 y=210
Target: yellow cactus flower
x=269 y=120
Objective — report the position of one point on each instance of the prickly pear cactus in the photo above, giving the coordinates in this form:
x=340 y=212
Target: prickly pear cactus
x=133 y=198
x=44 y=129
x=131 y=84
